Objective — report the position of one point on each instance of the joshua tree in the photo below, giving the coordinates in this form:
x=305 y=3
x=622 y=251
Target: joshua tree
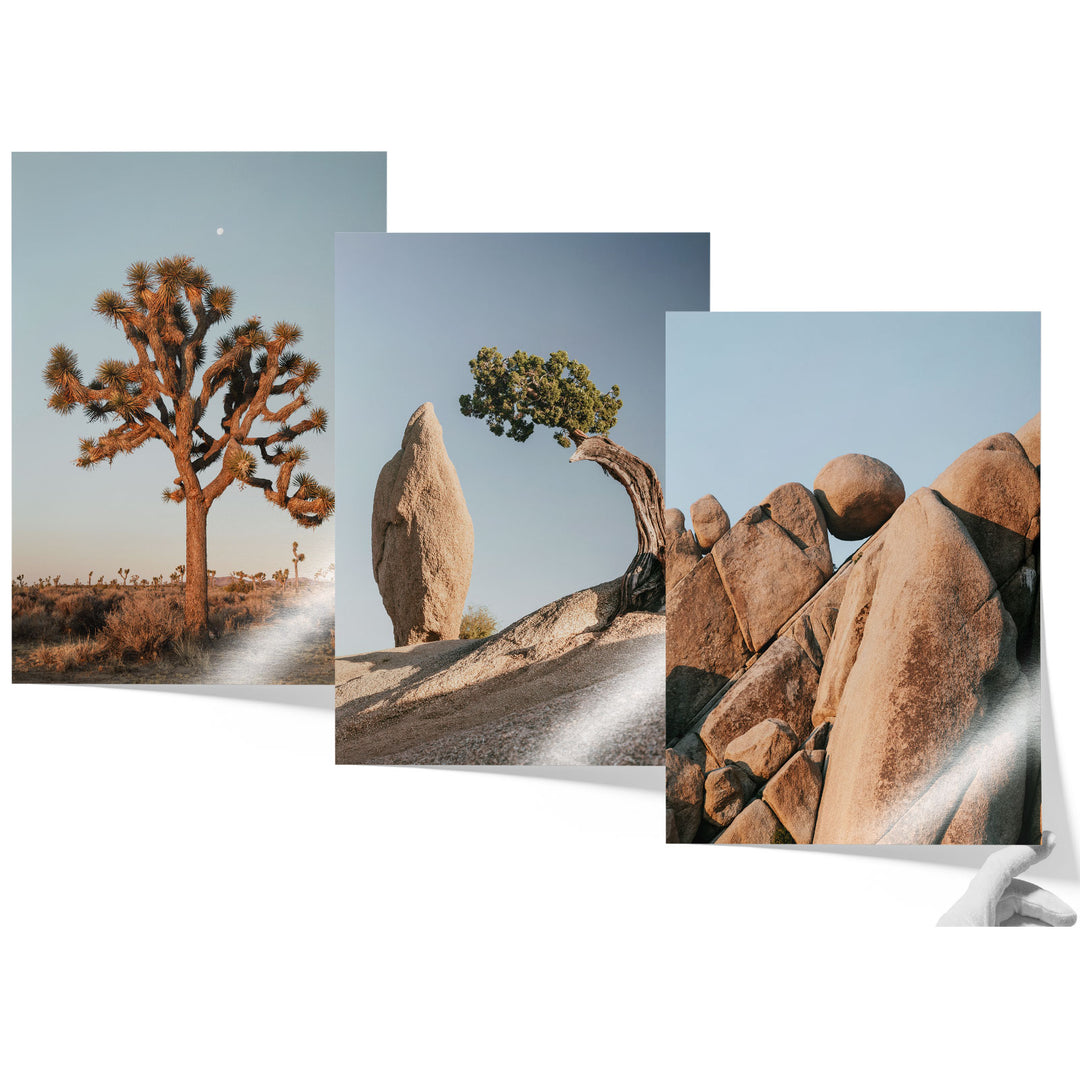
x=124 y=574
x=101 y=580
x=210 y=575
x=180 y=571
x=258 y=578
x=514 y=394
x=281 y=576
x=297 y=559
x=165 y=314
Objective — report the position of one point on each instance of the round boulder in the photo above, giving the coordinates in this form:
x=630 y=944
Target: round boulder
x=858 y=494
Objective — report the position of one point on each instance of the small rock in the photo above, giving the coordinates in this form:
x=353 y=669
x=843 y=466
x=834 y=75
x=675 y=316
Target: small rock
x=763 y=749
x=683 y=554
x=685 y=794
x=757 y=824
x=674 y=521
x=858 y=494
x=793 y=795
x=726 y=793
x=710 y=521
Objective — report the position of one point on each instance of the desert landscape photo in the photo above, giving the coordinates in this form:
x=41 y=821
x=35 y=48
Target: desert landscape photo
x=173 y=507
x=853 y=618
x=497 y=607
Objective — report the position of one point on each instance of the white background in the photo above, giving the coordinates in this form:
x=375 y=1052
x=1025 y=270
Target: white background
x=192 y=889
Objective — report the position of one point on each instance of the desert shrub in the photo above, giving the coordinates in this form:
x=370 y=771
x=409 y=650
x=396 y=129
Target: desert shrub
x=68 y=656
x=36 y=625
x=239 y=587
x=477 y=622
x=143 y=624
x=25 y=603
x=84 y=613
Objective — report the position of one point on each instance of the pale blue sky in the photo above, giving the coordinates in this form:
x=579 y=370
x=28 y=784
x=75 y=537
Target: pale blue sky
x=78 y=221
x=757 y=400
x=413 y=309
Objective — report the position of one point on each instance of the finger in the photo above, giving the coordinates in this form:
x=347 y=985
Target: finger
x=1001 y=867
x=979 y=904
x=1033 y=902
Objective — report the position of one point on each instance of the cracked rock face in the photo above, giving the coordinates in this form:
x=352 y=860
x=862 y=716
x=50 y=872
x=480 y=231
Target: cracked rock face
x=421 y=536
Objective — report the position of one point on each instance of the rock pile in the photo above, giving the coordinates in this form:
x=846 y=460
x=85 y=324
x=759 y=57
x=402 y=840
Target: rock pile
x=893 y=701
x=421 y=536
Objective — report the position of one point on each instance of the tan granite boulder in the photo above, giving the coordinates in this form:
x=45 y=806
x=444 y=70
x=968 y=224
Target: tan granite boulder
x=421 y=536
x=1030 y=438
x=858 y=494
x=923 y=651
x=726 y=793
x=772 y=561
x=704 y=644
x=683 y=554
x=762 y=750
x=994 y=490
x=781 y=684
x=685 y=784
x=710 y=521
x=793 y=795
x=757 y=824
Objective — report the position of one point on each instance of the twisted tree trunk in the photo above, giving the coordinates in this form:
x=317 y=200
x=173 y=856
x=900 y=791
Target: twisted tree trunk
x=643 y=581
x=196 y=598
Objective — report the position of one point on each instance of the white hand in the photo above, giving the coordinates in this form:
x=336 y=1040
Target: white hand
x=994 y=895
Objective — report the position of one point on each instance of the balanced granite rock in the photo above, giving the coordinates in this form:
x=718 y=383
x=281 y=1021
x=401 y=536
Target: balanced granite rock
x=683 y=551
x=858 y=494
x=421 y=536
x=923 y=652
x=710 y=521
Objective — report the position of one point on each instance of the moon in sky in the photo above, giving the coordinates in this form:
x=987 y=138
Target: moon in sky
x=220 y=232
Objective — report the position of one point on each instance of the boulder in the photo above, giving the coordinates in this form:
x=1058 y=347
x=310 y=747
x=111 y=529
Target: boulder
x=685 y=794
x=421 y=536
x=923 y=650
x=683 y=554
x=773 y=560
x=1030 y=438
x=994 y=490
x=763 y=749
x=674 y=521
x=782 y=684
x=757 y=824
x=812 y=625
x=793 y=795
x=858 y=494
x=727 y=791
x=704 y=644
x=672 y=827
x=691 y=747
x=710 y=521
x=818 y=739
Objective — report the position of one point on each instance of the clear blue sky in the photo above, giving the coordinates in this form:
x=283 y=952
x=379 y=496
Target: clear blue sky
x=412 y=310
x=78 y=221
x=758 y=400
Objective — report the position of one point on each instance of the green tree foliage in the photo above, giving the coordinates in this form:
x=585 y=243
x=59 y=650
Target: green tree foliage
x=477 y=622
x=513 y=394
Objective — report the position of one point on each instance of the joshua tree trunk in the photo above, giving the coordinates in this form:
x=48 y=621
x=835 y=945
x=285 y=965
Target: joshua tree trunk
x=643 y=581
x=196 y=603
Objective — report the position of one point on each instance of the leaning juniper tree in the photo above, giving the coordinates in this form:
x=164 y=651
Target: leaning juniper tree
x=165 y=313
x=513 y=394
